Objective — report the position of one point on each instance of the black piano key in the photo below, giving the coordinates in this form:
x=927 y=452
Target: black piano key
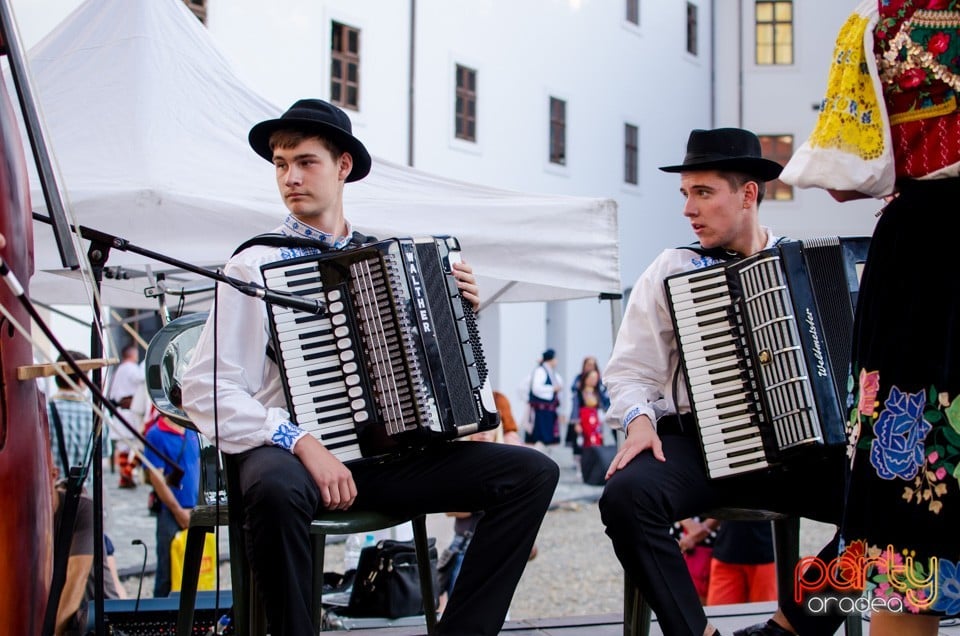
x=309 y=318
x=744 y=411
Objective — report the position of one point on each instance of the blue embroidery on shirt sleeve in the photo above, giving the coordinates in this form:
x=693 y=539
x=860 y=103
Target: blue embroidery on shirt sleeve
x=706 y=261
x=285 y=435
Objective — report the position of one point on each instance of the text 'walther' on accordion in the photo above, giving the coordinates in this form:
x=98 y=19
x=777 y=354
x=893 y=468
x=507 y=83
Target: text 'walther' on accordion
x=395 y=362
x=765 y=349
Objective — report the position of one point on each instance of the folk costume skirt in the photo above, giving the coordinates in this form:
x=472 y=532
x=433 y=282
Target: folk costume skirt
x=901 y=528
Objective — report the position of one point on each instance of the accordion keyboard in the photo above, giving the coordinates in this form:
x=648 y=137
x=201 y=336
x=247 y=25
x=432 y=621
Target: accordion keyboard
x=320 y=362
x=722 y=389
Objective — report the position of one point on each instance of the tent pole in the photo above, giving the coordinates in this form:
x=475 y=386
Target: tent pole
x=616 y=317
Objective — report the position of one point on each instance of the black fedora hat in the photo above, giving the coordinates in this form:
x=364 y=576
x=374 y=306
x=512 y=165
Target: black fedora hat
x=314 y=115
x=727 y=149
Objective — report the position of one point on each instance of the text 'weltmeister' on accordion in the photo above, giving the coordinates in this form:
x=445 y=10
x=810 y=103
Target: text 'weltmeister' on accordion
x=395 y=362
x=765 y=349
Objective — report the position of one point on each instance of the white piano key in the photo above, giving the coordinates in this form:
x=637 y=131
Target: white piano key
x=295 y=331
x=689 y=310
x=317 y=365
x=721 y=470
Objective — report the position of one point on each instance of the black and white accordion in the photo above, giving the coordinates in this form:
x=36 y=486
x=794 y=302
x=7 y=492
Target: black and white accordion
x=394 y=362
x=765 y=349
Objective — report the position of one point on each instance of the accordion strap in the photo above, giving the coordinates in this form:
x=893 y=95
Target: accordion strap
x=719 y=253
x=282 y=240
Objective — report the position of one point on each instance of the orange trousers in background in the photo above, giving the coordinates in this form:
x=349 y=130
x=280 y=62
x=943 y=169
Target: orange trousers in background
x=733 y=583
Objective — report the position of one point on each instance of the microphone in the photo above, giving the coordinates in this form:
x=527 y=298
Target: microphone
x=291 y=301
x=143 y=568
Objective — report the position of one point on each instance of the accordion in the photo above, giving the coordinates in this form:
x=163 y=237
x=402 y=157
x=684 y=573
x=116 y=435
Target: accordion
x=394 y=362
x=765 y=349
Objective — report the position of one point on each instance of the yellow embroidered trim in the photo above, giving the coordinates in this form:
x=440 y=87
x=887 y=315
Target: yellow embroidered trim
x=916 y=56
x=850 y=116
x=938 y=110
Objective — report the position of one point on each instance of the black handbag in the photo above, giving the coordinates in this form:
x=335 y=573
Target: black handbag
x=387 y=581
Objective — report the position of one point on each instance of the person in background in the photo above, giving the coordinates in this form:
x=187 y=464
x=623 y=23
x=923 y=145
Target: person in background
x=742 y=569
x=69 y=411
x=897 y=63
x=176 y=499
x=79 y=584
x=508 y=425
x=594 y=399
x=696 y=537
x=127 y=381
x=589 y=403
x=546 y=386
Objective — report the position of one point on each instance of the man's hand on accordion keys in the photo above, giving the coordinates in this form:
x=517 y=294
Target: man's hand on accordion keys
x=467 y=283
x=643 y=436
x=333 y=478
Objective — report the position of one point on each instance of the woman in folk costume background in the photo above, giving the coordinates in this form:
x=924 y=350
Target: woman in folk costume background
x=890 y=127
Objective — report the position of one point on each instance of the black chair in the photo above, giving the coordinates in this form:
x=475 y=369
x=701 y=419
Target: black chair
x=249 y=618
x=786 y=540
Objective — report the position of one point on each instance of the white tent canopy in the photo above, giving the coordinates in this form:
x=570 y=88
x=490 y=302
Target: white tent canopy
x=148 y=125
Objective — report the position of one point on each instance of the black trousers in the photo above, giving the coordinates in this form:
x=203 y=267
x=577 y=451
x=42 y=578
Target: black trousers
x=641 y=502
x=512 y=485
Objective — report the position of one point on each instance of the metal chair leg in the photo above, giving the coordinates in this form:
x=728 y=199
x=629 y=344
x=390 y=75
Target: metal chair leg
x=426 y=573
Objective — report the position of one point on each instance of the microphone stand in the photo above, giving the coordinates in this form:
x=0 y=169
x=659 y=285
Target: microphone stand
x=99 y=250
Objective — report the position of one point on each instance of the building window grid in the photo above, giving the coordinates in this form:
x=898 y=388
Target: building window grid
x=778 y=148
x=345 y=66
x=465 y=119
x=633 y=12
x=631 y=154
x=558 y=131
x=774 y=32
x=692 y=27
x=199 y=8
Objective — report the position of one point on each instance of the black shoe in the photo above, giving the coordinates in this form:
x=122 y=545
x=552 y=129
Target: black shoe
x=770 y=628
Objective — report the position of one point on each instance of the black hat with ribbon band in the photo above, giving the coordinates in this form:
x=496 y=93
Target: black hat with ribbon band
x=729 y=150
x=322 y=118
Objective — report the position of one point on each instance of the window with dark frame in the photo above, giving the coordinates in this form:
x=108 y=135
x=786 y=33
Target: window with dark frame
x=465 y=118
x=778 y=148
x=631 y=154
x=774 y=31
x=199 y=8
x=345 y=66
x=633 y=11
x=692 y=28
x=558 y=131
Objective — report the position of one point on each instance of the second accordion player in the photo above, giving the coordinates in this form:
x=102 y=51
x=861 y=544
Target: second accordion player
x=765 y=349
x=394 y=362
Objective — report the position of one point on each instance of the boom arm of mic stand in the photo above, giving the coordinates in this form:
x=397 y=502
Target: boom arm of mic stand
x=284 y=299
